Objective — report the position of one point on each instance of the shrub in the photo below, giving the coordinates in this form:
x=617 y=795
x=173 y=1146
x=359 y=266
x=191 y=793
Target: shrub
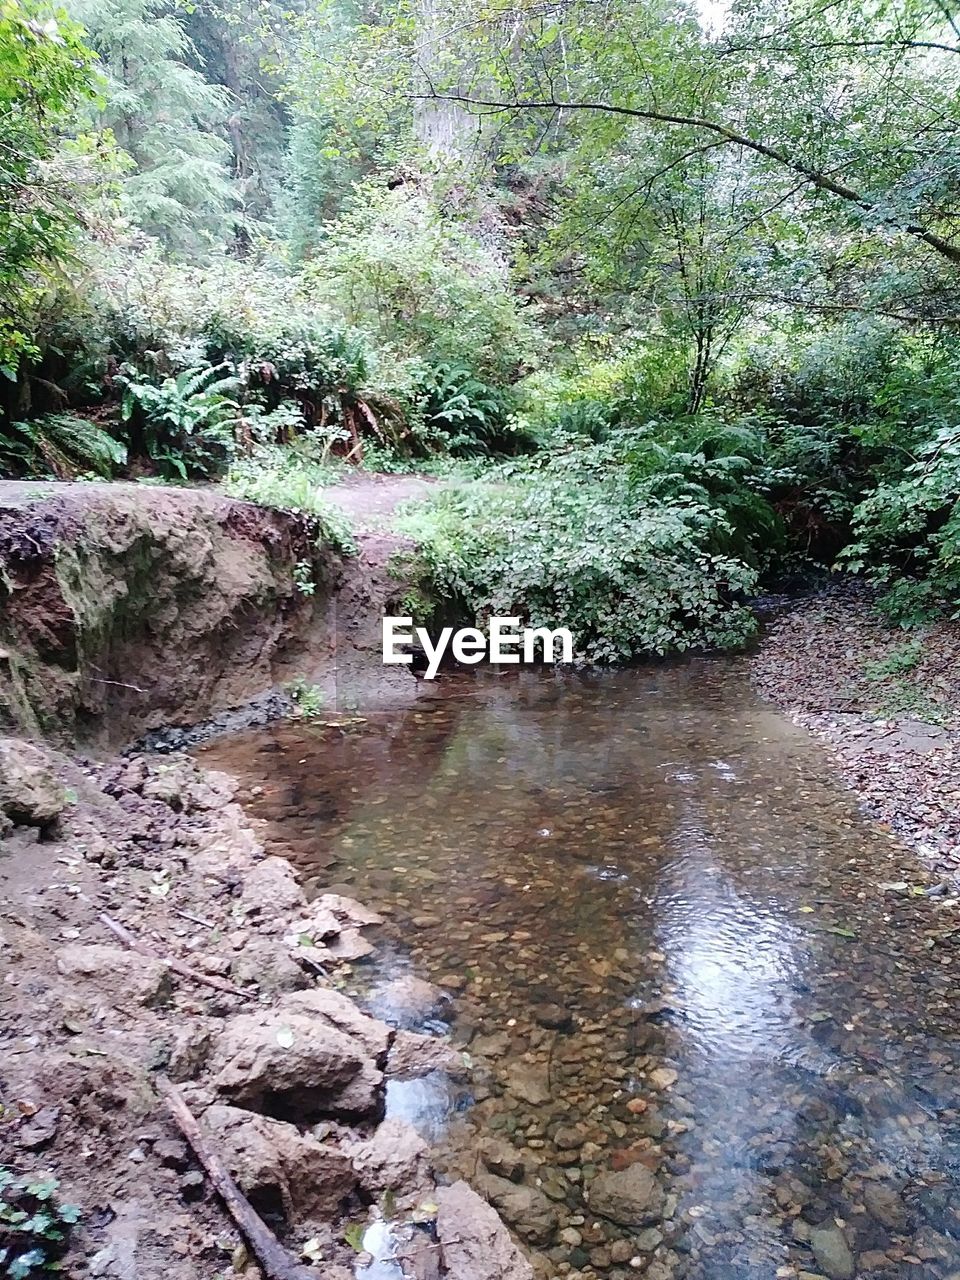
x=59 y=444
x=187 y=423
x=589 y=547
x=34 y=1227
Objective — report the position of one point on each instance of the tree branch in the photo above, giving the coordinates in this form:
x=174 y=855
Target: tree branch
x=816 y=178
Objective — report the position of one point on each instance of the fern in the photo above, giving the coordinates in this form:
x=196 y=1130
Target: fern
x=60 y=444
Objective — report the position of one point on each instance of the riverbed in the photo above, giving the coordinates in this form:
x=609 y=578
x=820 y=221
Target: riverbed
x=672 y=948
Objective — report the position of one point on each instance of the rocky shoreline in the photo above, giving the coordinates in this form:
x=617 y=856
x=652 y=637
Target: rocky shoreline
x=229 y=988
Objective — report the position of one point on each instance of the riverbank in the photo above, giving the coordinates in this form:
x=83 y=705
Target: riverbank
x=146 y=935
x=884 y=702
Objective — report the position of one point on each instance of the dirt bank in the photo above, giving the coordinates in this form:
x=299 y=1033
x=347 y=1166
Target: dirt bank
x=885 y=702
x=231 y=992
x=128 y=607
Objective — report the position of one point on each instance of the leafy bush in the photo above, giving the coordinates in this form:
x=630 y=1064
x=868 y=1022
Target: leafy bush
x=187 y=422
x=420 y=282
x=60 y=444
x=583 y=544
x=34 y=1227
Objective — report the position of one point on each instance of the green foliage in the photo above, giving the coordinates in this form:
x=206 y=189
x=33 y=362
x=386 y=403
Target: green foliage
x=582 y=541
x=167 y=119
x=59 y=444
x=46 y=72
x=418 y=280
x=291 y=480
x=308 y=698
x=188 y=422
x=34 y=1225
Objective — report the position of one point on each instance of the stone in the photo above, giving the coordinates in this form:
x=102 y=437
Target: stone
x=409 y=1001
x=501 y=1158
x=528 y=1082
x=271 y=889
x=172 y=1153
x=630 y=1197
x=279 y=1169
x=495 y=1045
x=30 y=794
x=337 y=1010
x=552 y=1016
x=885 y=1204
x=265 y=965
x=526 y=1208
x=412 y=1056
x=474 y=1243
x=347 y=911
x=125 y=976
x=832 y=1252
x=288 y=1064
x=395 y=1158
x=40 y=1129
x=662 y=1077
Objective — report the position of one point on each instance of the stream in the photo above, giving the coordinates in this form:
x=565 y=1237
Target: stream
x=672 y=947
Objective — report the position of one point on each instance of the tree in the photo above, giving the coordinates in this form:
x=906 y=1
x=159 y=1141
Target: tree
x=167 y=118
x=45 y=73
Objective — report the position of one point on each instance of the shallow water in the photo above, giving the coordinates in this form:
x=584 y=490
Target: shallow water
x=663 y=866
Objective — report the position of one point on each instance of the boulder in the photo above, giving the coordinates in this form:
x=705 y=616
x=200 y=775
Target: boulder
x=886 y=1205
x=501 y=1158
x=413 y=1055
x=279 y=1169
x=474 y=1243
x=285 y=1063
x=126 y=977
x=394 y=1159
x=347 y=911
x=271 y=889
x=832 y=1252
x=30 y=794
x=630 y=1197
x=530 y=1213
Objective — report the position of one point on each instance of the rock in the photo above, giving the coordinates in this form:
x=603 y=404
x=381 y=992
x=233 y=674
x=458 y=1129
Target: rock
x=394 y=1159
x=289 y=1064
x=568 y=1139
x=347 y=911
x=832 y=1252
x=886 y=1205
x=526 y=1208
x=501 y=1158
x=348 y=946
x=474 y=1243
x=271 y=889
x=278 y=1168
x=553 y=1016
x=39 y=1129
x=630 y=1197
x=409 y=1001
x=527 y=1082
x=272 y=969
x=337 y=1010
x=495 y=1045
x=192 y=1186
x=413 y=1055
x=125 y=976
x=30 y=794
x=172 y=1153
x=662 y=1077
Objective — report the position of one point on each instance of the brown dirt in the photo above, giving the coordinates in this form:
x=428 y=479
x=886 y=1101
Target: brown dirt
x=885 y=702
x=129 y=607
x=86 y=1024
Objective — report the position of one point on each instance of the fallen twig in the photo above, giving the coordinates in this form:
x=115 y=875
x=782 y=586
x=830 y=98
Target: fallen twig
x=128 y=939
x=277 y=1262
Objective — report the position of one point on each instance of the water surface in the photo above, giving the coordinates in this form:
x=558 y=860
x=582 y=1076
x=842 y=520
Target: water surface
x=672 y=941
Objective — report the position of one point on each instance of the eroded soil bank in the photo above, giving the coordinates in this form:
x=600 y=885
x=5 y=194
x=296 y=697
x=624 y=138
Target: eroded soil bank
x=125 y=608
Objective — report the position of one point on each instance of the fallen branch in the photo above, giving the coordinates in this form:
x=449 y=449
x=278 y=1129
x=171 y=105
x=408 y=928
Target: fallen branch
x=277 y=1262
x=128 y=940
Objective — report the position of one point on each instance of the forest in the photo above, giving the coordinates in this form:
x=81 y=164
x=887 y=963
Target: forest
x=667 y=293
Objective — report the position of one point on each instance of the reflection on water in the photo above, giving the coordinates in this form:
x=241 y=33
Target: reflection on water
x=665 y=934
